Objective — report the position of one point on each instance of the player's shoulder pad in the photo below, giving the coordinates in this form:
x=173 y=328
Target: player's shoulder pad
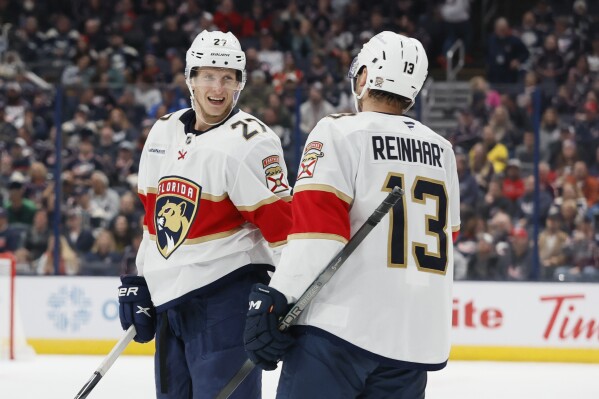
x=251 y=129
x=165 y=124
x=341 y=123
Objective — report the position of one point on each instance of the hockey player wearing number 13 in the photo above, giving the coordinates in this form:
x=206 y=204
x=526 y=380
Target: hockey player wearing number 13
x=383 y=320
x=213 y=183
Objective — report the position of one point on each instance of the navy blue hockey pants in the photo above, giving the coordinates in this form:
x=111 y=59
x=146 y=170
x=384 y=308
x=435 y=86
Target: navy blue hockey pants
x=315 y=368
x=202 y=345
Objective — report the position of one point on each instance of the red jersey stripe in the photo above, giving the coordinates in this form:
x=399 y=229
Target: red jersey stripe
x=273 y=219
x=320 y=212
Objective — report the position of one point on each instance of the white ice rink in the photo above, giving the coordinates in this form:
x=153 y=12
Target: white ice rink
x=131 y=377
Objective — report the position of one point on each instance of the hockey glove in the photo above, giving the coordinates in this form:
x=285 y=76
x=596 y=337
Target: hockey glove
x=135 y=307
x=264 y=343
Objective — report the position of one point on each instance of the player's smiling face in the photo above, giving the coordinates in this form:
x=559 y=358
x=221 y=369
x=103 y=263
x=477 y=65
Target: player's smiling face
x=214 y=91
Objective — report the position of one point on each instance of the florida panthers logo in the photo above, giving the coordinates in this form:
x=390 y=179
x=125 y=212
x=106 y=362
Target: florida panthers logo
x=177 y=204
x=275 y=178
x=312 y=153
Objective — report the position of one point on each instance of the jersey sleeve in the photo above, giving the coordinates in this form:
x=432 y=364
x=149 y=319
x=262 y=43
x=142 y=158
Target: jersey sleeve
x=142 y=193
x=454 y=194
x=321 y=201
x=260 y=189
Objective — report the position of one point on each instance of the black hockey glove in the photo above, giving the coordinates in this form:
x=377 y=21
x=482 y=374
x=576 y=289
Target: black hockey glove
x=135 y=307
x=264 y=343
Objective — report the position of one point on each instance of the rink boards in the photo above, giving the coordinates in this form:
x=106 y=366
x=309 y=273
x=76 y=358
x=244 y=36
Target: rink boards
x=491 y=321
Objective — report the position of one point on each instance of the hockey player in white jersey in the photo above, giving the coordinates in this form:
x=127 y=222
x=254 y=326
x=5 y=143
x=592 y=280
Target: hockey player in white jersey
x=383 y=320
x=213 y=183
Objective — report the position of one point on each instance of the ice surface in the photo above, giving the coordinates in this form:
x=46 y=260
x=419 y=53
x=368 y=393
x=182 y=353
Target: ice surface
x=61 y=377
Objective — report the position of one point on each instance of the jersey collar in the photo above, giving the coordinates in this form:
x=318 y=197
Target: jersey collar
x=189 y=120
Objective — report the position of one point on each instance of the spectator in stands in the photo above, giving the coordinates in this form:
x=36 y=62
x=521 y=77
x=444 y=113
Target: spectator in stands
x=583 y=249
x=7 y=130
x=517 y=264
x=303 y=42
x=550 y=67
x=256 y=96
x=505 y=55
x=314 y=109
x=582 y=24
x=525 y=206
x=570 y=216
x=565 y=160
x=500 y=226
x=30 y=40
x=483 y=99
x=480 y=166
x=579 y=77
x=15 y=105
x=456 y=15
x=469 y=190
x=171 y=36
x=525 y=153
x=484 y=264
x=122 y=58
x=552 y=246
x=543 y=16
x=503 y=128
x=125 y=166
x=497 y=152
x=227 y=19
x=61 y=40
x=37 y=236
x=270 y=57
x=570 y=192
x=79 y=238
x=9 y=238
x=103 y=260
x=38 y=181
x=468 y=131
x=75 y=126
x=21 y=210
x=588 y=184
x=128 y=262
x=587 y=128
x=525 y=97
x=512 y=185
x=128 y=209
x=121 y=232
x=318 y=70
x=494 y=200
x=529 y=34
x=69 y=263
x=78 y=74
x=104 y=200
x=106 y=148
x=85 y=163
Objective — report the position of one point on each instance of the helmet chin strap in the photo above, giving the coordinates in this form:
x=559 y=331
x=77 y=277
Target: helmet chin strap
x=358 y=97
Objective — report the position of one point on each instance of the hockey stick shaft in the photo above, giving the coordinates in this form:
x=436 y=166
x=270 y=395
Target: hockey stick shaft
x=328 y=272
x=106 y=363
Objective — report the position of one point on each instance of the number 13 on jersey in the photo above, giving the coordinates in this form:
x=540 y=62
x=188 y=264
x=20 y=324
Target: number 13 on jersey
x=428 y=258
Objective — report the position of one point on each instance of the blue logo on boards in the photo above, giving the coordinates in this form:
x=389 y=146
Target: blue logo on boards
x=69 y=309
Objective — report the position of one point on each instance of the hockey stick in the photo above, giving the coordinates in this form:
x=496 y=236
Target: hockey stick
x=330 y=269
x=106 y=363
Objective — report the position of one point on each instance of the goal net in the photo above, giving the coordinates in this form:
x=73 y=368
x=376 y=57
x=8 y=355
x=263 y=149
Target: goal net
x=13 y=344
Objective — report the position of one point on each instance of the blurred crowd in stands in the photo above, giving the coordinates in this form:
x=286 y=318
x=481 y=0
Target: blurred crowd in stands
x=120 y=66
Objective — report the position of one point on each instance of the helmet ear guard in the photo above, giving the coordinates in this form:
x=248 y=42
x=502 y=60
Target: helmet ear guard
x=395 y=64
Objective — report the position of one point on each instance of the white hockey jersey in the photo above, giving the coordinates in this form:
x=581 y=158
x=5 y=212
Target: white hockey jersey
x=212 y=201
x=393 y=296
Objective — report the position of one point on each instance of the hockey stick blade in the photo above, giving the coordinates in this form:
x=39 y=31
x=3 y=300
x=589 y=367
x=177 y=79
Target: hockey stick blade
x=330 y=269
x=106 y=363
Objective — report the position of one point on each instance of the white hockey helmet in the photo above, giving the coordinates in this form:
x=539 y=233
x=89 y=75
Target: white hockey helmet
x=215 y=49
x=396 y=64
